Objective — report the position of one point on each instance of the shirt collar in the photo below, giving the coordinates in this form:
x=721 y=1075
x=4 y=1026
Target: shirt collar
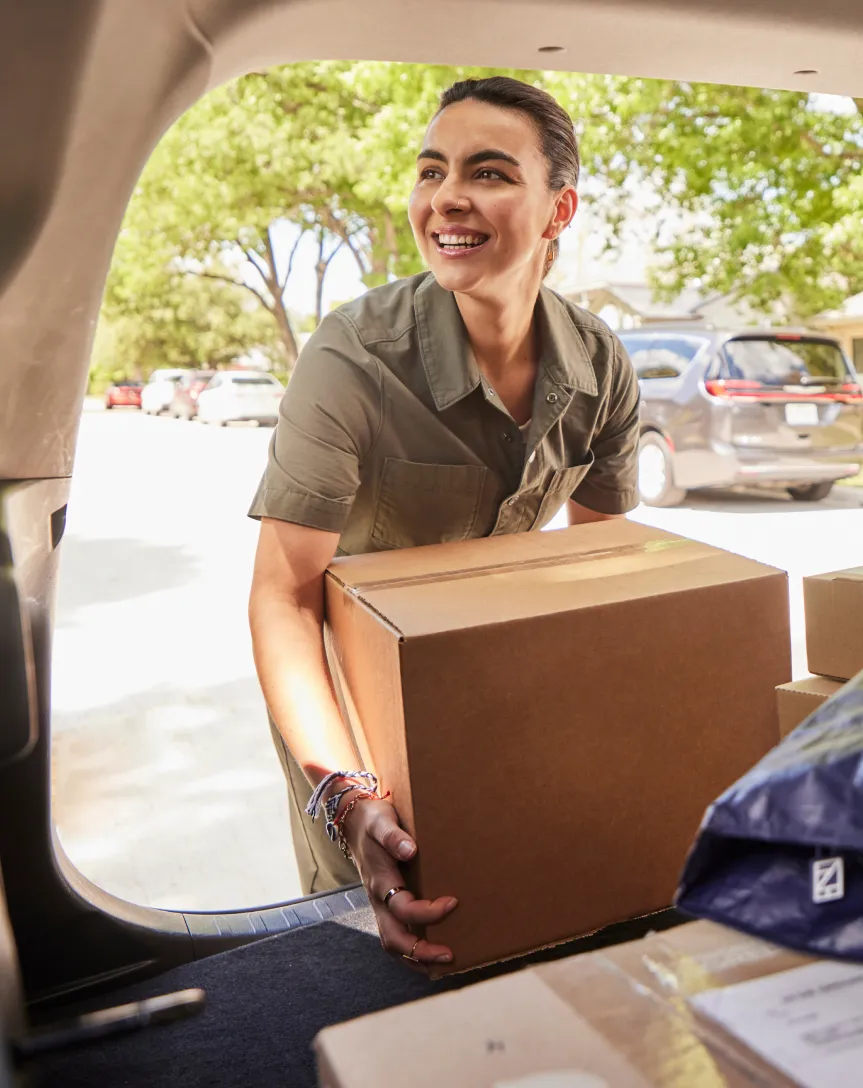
x=448 y=361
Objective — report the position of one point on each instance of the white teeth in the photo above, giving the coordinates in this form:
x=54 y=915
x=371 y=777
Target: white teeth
x=460 y=239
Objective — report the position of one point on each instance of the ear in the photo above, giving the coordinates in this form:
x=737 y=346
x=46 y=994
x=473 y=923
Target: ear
x=565 y=208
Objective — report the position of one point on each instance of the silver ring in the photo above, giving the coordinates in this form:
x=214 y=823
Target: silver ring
x=391 y=893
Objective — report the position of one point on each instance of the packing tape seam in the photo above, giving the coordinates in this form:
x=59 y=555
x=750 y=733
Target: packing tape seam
x=538 y=563
x=735 y=1051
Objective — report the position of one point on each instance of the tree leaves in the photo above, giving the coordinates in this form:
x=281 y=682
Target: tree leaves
x=754 y=192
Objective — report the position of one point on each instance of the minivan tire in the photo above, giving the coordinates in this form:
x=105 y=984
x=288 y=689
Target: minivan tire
x=811 y=492
x=655 y=464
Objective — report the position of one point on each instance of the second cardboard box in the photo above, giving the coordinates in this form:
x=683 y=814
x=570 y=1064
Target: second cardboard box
x=553 y=713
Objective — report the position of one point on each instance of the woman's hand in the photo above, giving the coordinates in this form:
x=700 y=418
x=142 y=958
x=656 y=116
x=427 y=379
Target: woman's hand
x=377 y=843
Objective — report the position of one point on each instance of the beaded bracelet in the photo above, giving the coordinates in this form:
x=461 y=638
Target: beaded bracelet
x=331 y=807
x=317 y=798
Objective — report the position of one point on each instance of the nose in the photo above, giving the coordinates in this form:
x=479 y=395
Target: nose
x=449 y=199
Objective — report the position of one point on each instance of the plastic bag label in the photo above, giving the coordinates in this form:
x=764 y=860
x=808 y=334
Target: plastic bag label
x=828 y=880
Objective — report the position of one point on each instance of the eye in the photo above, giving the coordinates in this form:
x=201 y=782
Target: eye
x=487 y=174
x=430 y=174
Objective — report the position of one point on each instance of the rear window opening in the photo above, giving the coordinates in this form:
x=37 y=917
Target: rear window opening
x=782 y=361
x=162 y=551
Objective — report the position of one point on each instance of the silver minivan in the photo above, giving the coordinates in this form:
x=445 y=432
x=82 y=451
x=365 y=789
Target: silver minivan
x=762 y=408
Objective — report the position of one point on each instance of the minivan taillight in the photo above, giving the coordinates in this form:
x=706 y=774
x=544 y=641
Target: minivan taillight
x=729 y=388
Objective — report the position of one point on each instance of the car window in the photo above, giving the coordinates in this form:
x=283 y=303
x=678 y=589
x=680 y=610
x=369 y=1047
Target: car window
x=656 y=356
x=216 y=382
x=784 y=361
x=253 y=379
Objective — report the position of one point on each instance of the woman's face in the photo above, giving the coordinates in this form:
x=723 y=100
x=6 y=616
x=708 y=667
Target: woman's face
x=481 y=210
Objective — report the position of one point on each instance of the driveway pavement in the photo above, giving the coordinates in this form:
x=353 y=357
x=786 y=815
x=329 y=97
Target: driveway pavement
x=167 y=791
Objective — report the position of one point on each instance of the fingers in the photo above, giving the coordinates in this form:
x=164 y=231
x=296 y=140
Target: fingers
x=399 y=941
x=380 y=873
x=382 y=843
x=420 y=912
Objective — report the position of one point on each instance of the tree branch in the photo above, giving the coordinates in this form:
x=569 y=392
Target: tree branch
x=294 y=249
x=333 y=253
x=234 y=283
x=254 y=257
x=347 y=238
x=271 y=262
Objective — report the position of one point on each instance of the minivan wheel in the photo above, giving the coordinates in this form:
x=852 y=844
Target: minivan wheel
x=811 y=492
x=656 y=472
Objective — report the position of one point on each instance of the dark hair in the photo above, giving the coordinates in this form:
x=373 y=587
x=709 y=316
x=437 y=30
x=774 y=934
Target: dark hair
x=552 y=123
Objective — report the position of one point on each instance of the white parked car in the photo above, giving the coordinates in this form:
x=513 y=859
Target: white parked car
x=158 y=393
x=240 y=395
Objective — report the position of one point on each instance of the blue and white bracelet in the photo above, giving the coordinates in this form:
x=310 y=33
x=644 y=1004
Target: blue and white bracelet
x=331 y=805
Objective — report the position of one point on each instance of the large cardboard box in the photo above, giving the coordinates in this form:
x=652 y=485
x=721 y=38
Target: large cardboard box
x=834 y=622
x=553 y=713
x=797 y=700
x=699 y=1005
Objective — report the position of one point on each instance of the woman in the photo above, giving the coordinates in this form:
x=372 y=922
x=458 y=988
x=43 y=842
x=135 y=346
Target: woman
x=464 y=402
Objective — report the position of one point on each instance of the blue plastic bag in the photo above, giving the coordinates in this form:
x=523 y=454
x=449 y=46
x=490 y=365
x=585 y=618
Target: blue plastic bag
x=780 y=854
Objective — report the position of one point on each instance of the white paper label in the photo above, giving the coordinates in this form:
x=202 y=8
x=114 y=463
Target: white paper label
x=558 y=1078
x=808 y=1022
x=828 y=880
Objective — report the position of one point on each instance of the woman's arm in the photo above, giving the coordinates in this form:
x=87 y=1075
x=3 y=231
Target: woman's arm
x=576 y=514
x=286 y=615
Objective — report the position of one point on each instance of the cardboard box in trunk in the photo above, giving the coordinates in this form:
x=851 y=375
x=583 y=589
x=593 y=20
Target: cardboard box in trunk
x=834 y=623
x=653 y=1013
x=797 y=700
x=553 y=713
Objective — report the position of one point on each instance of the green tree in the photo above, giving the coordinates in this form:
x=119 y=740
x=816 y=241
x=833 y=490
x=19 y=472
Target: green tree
x=755 y=192
x=155 y=314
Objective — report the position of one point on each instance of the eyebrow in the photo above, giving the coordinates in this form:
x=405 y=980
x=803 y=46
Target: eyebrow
x=489 y=154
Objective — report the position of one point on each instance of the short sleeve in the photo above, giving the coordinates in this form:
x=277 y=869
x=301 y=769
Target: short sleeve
x=611 y=486
x=328 y=422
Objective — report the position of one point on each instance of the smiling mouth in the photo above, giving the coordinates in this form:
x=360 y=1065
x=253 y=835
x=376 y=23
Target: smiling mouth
x=458 y=243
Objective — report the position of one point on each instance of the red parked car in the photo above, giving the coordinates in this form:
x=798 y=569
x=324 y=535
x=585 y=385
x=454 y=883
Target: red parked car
x=184 y=404
x=124 y=394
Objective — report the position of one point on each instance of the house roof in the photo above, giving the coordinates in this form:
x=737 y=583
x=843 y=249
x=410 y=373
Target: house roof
x=639 y=298
x=850 y=310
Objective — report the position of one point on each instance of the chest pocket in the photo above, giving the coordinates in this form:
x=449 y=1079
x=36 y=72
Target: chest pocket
x=562 y=485
x=426 y=504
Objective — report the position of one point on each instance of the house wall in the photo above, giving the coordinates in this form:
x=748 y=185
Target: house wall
x=850 y=336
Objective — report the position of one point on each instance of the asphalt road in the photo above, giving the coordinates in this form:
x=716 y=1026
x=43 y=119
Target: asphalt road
x=167 y=791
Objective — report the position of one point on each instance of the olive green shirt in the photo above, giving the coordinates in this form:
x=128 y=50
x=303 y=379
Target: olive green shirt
x=389 y=435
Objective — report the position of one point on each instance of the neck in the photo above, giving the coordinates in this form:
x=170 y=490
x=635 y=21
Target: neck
x=501 y=332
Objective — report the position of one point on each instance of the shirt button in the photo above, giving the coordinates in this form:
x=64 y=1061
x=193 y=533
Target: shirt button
x=551 y=398
x=507 y=437
x=490 y=391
